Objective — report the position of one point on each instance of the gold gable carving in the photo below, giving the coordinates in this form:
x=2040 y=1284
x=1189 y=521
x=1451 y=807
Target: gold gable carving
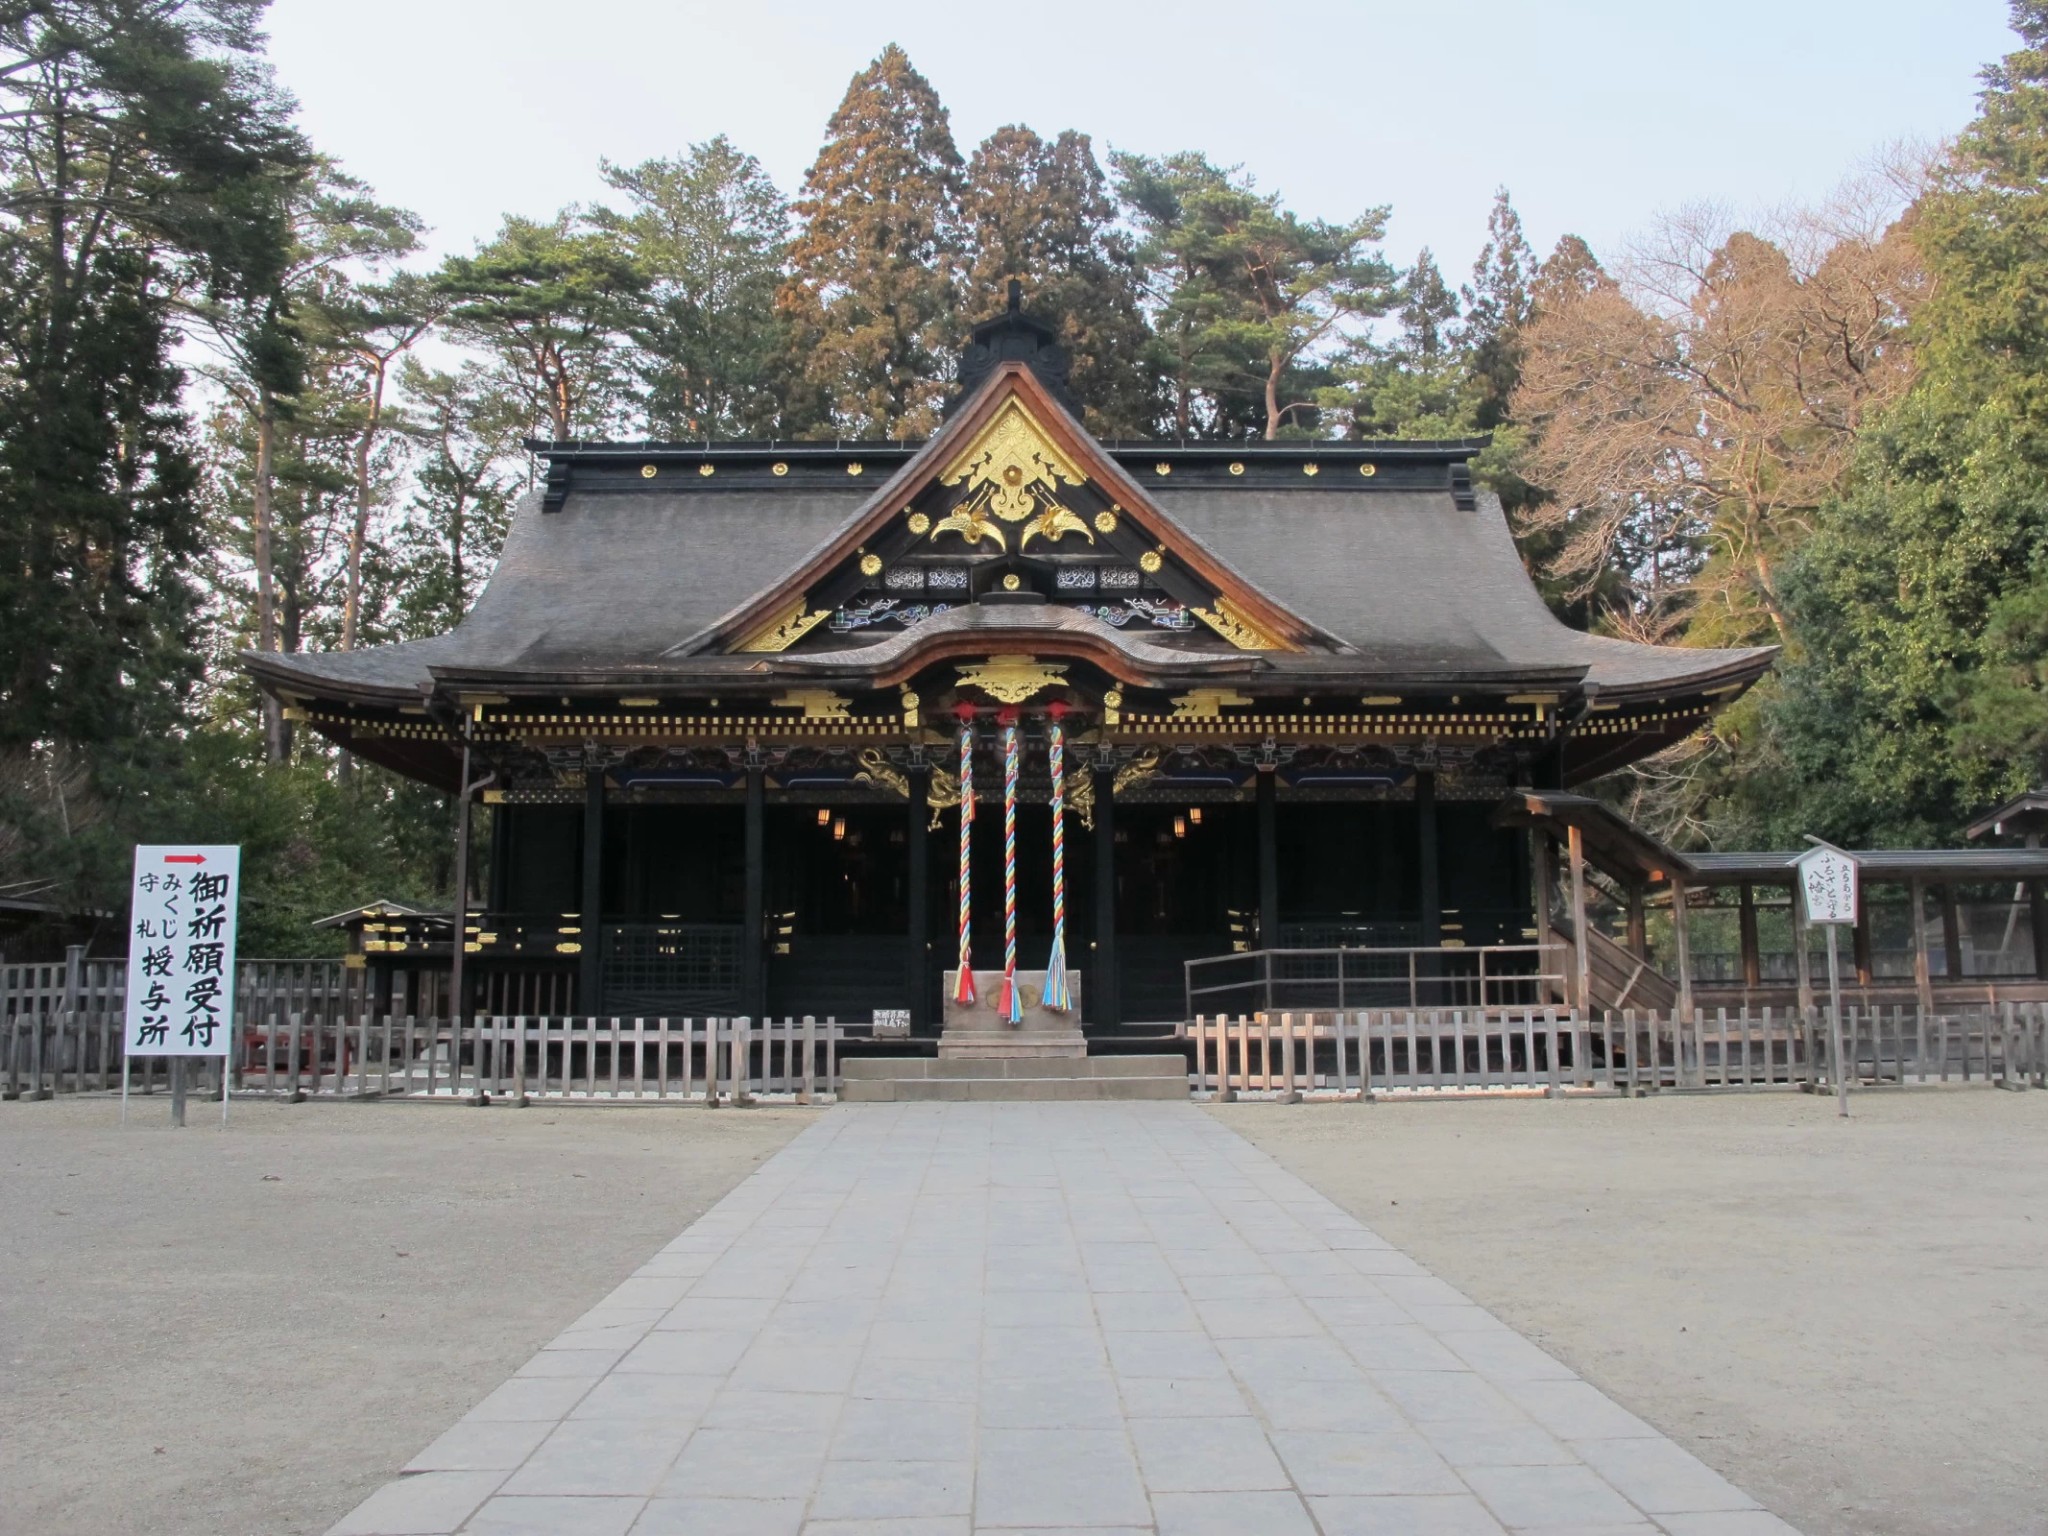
x=1013 y=473
x=1012 y=679
x=785 y=629
x=1236 y=628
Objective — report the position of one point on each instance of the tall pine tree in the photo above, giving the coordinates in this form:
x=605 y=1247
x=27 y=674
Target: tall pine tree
x=1497 y=307
x=708 y=234
x=872 y=296
x=1041 y=213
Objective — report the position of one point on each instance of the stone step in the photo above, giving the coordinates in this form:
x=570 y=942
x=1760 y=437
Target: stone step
x=971 y=1069
x=881 y=1080
x=961 y=1090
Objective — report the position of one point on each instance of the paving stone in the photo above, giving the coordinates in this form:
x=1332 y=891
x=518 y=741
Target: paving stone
x=1041 y=1477
x=1660 y=1478
x=1455 y=1514
x=893 y=1490
x=430 y=1504
x=921 y=1319
x=1325 y=1461
x=1525 y=1497
x=721 y=1517
x=872 y=1430
x=747 y=1464
x=505 y=1516
x=678 y=1401
x=1054 y=1402
x=1231 y=1514
x=1198 y=1455
x=600 y=1456
x=538 y=1399
x=481 y=1445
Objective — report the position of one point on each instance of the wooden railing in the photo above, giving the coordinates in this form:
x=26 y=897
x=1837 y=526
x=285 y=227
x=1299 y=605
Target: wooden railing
x=1368 y=1052
x=1442 y=976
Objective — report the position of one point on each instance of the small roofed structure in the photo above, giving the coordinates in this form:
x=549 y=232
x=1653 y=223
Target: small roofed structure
x=2024 y=817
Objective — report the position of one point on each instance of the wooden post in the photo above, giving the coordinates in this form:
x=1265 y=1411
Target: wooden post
x=1860 y=945
x=1582 y=979
x=1429 y=863
x=1801 y=958
x=1541 y=860
x=1923 y=979
x=1752 y=958
x=2037 y=915
x=1951 y=932
x=1638 y=924
x=590 y=964
x=753 y=980
x=1683 y=937
x=917 y=886
x=1269 y=859
x=1102 y=996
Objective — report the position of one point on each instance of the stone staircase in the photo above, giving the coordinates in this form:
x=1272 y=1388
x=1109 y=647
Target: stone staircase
x=897 y=1080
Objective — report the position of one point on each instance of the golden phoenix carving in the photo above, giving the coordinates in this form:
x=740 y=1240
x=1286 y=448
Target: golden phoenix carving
x=1013 y=473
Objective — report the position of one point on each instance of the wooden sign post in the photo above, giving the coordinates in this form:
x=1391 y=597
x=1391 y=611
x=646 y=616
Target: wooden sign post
x=181 y=961
x=1828 y=889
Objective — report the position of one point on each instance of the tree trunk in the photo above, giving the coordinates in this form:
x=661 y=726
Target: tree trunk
x=1273 y=400
x=358 y=536
x=274 y=741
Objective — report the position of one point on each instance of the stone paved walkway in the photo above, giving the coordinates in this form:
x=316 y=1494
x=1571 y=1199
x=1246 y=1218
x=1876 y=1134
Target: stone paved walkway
x=1107 y=1318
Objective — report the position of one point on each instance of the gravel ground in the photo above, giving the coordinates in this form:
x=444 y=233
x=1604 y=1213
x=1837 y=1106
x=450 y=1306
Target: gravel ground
x=1847 y=1318
x=244 y=1333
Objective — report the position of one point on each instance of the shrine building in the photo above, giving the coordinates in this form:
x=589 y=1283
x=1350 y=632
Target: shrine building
x=718 y=700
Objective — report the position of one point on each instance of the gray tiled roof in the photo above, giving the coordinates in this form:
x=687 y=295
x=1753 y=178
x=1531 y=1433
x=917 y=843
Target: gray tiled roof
x=1416 y=585
x=1412 y=585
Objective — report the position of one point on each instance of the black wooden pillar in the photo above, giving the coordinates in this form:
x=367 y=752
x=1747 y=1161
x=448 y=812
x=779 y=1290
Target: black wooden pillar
x=753 y=989
x=917 y=894
x=2037 y=912
x=1430 y=925
x=1100 y=998
x=1752 y=950
x=501 y=857
x=1269 y=860
x=1428 y=860
x=590 y=968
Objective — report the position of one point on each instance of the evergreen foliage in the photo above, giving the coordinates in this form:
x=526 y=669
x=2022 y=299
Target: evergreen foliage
x=708 y=235
x=872 y=296
x=1040 y=212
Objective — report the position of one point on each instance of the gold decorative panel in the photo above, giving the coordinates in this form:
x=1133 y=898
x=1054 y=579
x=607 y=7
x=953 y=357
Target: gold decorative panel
x=1206 y=703
x=1012 y=679
x=1013 y=473
x=816 y=703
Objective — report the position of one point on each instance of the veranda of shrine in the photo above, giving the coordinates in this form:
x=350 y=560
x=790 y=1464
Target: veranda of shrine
x=1321 y=744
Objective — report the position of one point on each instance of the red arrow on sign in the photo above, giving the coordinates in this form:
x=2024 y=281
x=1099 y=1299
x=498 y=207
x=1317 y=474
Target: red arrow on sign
x=184 y=858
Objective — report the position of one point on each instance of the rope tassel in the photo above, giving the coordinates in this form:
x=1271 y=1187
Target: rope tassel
x=1058 y=998
x=1009 y=1005
x=963 y=986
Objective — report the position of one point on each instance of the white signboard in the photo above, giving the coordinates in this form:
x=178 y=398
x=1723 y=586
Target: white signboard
x=181 y=949
x=1827 y=881
x=891 y=1023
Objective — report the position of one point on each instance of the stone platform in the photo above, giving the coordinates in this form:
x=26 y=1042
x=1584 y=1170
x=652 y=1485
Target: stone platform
x=977 y=1033
x=887 y=1080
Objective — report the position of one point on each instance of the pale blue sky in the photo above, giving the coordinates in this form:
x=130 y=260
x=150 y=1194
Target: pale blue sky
x=1595 y=113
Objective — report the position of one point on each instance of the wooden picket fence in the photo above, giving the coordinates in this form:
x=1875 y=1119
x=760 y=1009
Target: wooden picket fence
x=1419 y=1052
x=300 y=1055
x=613 y=1060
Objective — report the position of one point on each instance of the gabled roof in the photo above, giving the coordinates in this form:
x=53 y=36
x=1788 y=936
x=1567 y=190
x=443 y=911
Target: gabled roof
x=1013 y=396
x=1374 y=566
